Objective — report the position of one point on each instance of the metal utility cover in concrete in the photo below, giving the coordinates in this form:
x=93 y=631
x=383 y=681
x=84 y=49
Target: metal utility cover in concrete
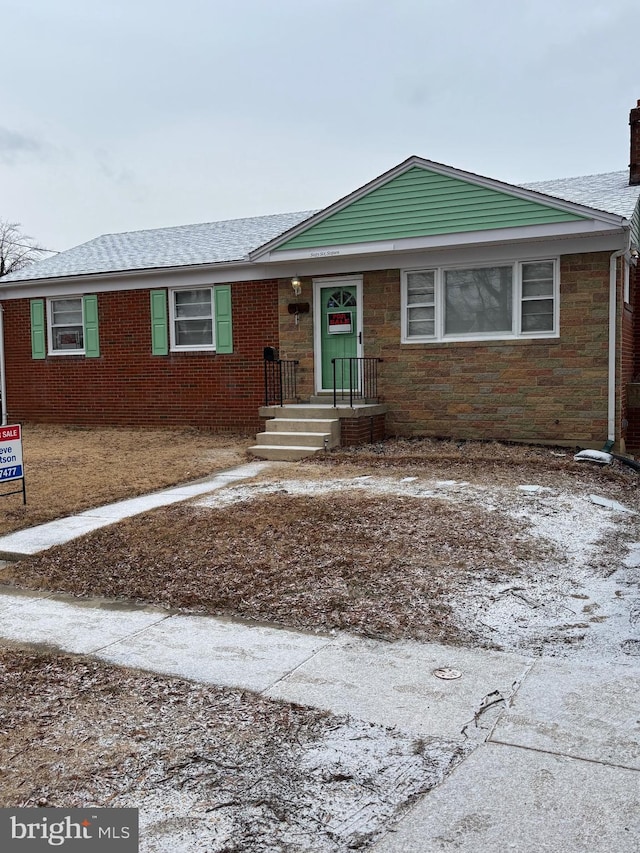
x=394 y=684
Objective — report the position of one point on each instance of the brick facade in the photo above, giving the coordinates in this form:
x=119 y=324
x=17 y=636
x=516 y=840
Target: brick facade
x=127 y=385
x=540 y=390
x=364 y=430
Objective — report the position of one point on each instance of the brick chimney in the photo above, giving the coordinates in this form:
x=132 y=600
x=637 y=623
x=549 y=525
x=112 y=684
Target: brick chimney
x=634 y=163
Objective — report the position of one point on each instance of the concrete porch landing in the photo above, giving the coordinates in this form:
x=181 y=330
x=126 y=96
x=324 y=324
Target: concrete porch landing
x=297 y=430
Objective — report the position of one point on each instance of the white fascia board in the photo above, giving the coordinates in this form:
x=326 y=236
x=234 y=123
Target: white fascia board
x=466 y=238
x=410 y=257
x=331 y=251
x=131 y=280
x=445 y=255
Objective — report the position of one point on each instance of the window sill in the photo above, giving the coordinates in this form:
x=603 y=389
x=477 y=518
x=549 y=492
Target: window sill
x=192 y=349
x=497 y=341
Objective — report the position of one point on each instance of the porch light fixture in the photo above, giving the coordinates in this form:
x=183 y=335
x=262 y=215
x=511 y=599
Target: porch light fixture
x=296 y=284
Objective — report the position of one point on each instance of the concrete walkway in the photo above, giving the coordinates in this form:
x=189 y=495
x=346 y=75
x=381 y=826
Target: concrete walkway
x=35 y=539
x=557 y=763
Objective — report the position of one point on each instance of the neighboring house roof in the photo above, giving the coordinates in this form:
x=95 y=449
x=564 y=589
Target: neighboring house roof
x=237 y=240
x=609 y=192
x=183 y=245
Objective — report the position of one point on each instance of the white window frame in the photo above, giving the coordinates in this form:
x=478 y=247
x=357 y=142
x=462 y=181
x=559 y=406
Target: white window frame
x=50 y=326
x=515 y=332
x=175 y=347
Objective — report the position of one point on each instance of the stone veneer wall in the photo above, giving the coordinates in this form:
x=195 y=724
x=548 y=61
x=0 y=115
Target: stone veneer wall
x=547 y=390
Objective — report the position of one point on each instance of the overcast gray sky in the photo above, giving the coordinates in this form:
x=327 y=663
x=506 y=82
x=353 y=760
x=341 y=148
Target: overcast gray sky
x=132 y=114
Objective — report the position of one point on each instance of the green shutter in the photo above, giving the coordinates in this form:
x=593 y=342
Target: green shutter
x=91 y=336
x=224 y=330
x=38 y=347
x=159 y=330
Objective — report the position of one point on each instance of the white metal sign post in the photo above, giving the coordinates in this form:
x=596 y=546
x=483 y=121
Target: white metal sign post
x=11 y=465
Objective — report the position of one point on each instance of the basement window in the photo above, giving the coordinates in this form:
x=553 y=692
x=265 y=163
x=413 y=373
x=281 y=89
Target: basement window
x=501 y=301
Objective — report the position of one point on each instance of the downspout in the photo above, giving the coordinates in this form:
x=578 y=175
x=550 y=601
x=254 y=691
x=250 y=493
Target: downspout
x=611 y=401
x=3 y=384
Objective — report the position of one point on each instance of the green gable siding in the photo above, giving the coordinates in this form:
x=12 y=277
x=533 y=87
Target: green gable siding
x=421 y=203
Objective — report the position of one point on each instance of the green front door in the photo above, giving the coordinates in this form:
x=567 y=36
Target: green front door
x=339 y=331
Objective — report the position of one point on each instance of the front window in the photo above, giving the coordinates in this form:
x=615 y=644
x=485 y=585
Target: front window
x=192 y=319
x=474 y=303
x=66 y=333
x=421 y=304
x=537 y=297
x=478 y=301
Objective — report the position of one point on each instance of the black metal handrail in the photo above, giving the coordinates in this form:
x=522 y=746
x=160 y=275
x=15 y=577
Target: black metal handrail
x=355 y=379
x=280 y=381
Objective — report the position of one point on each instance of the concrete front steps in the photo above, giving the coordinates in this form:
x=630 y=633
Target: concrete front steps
x=297 y=430
x=294 y=434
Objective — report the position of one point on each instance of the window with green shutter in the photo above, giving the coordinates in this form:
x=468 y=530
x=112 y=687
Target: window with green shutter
x=66 y=326
x=73 y=326
x=199 y=318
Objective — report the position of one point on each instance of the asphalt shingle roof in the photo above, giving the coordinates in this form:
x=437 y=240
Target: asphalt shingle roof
x=233 y=239
x=183 y=245
x=609 y=192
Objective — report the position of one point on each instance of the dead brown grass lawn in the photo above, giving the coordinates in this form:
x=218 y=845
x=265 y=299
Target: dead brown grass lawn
x=126 y=725
x=385 y=566
x=379 y=566
x=71 y=469
x=483 y=462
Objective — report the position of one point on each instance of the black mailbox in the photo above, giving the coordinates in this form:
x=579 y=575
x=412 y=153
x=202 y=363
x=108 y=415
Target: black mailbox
x=270 y=354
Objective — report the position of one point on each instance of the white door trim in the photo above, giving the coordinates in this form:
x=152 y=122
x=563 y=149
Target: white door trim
x=318 y=284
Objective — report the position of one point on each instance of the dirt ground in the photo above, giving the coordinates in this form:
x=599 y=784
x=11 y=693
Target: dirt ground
x=70 y=469
x=514 y=548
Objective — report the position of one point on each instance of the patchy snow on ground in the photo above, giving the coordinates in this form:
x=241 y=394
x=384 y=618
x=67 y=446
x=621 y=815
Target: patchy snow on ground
x=210 y=769
x=578 y=602
x=343 y=790
x=582 y=601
